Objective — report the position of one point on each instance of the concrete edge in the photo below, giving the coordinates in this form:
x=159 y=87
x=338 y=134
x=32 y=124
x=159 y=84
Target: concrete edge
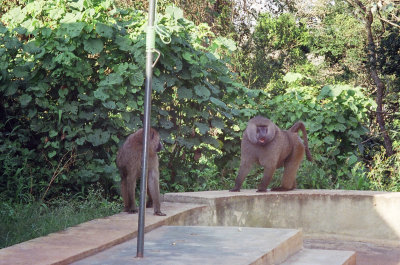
x=205 y=197
x=283 y=251
x=376 y=199
x=313 y=257
x=148 y=227
x=89 y=238
x=95 y=250
x=352 y=260
x=377 y=242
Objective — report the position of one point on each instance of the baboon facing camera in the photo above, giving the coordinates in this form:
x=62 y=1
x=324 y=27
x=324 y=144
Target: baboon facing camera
x=129 y=163
x=265 y=144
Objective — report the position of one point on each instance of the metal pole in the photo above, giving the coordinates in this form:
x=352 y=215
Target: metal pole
x=150 y=42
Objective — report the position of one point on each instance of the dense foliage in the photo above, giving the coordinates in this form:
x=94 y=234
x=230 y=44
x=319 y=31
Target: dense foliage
x=72 y=83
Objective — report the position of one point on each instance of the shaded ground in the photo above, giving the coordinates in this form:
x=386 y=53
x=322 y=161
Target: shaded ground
x=367 y=253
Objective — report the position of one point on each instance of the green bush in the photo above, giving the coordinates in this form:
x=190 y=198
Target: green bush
x=334 y=116
x=72 y=78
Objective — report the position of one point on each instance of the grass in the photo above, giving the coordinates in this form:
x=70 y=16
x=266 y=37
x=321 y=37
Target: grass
x=22 y=222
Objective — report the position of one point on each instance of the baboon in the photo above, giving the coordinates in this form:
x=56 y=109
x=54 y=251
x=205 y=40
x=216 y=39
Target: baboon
x=265 y=144
x=129 y=163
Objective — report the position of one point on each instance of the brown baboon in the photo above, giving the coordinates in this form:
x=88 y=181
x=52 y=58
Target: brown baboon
x=265 y=144
x=129 y=163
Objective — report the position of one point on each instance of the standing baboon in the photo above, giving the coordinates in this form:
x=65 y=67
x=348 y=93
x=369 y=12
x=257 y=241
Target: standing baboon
x=265 y=144
x=129 y=163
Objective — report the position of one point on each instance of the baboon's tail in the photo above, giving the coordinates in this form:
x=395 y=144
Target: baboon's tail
x=300 y=126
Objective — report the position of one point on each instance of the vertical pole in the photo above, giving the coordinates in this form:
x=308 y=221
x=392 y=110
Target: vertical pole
x=150 y=42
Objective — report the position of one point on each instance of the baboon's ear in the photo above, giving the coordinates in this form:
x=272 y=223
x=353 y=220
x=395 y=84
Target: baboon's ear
x=152 y=133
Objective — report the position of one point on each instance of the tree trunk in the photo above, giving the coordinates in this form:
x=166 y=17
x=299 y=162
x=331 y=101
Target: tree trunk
x=380 y=86
x=378 y=82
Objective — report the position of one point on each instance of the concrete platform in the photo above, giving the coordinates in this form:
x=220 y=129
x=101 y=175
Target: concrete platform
x=366 y=216
x=183 y=245
x=92 y=237
x=321 y=257
x=367 y=253
x=329 y=220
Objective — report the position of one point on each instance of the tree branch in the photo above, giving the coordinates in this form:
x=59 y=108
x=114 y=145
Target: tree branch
x=389 y=22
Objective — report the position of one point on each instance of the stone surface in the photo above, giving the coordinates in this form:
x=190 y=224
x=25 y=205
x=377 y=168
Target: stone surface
x=322 y=257
x=175 y=245
x=367 y=253
x=330 y=220
x=89 y=238
x=366 y=216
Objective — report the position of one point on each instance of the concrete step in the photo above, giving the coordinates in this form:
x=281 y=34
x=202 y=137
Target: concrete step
x=204 y=245
x=322 y=257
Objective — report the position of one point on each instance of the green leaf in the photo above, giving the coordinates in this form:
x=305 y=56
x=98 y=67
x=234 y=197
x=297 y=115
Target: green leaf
x=80 y=4
x=70 y=108
x=71 y=18
x=56 y=13
x=210 y=140
x=124 y=43
x=228 y=43
x=158 y=84
x=174 y=12
x=80 y=141
x=62 y=92
x=184 y=92
x=166 y=124
x=112 y=79
x=340 y=127
x=325 y=92
x=202 y=91
x=12 y=43
x=292 y=77
x=217 y=123
x=188 y=57
x=225 y=79
x=32 y=113
x=11 y=89
x=329 y=139
x=99 y=94
x=20 y=30
x=115 y=138
x=104 y=30
x=3 y=29
x=109 y=104
x=53 y=133
x=67 y=58
x=73 y=29
x=352 y=159
x=98 y=137
x=218 y=102
x=52 y=154
x=132 y=104
x=337 y=90
x=21 y=71
x=136 y=79
x=133 y=123
x=25 y=99
x=93 y=46
x=32 y=48
x=17 y=15
x=203 y=128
